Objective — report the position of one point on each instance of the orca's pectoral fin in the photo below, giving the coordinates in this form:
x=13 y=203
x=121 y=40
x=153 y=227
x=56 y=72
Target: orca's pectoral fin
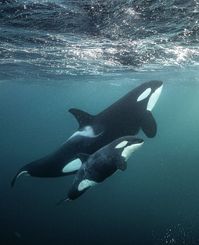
x=82 y=117
x=149 y=125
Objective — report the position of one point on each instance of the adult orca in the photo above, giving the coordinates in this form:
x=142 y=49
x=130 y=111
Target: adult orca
x=102 y=164
x=126 y=116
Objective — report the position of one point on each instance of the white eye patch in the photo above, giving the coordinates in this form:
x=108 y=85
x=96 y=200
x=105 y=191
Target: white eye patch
x=121 y=144
x=144 y=95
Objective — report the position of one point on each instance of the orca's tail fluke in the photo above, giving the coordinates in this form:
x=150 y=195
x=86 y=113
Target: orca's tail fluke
x=19 y=173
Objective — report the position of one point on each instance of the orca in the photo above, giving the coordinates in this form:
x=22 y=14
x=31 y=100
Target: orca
x=102 y=164
x=126 y=116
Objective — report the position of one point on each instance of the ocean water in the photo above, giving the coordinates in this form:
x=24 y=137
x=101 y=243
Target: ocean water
x=55 y=55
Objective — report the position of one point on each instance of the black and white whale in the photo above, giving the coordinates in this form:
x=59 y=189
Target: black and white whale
x=102 y=164
x=126 y=116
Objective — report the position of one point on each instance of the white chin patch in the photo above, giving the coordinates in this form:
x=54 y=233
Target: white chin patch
x=72 y=166
x=144 y=95
x=121 y=144
x=85 y=184
x=126 y=153
x=86 y=132
x=154 y=98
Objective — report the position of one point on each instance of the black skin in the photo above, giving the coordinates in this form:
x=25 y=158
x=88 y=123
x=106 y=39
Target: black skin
x=124 y=117
x=101 y=165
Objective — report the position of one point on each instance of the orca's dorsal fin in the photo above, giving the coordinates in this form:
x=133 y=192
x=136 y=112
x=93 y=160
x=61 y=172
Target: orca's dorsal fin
x=83 y=156
x=82 y=117
x=149 y=125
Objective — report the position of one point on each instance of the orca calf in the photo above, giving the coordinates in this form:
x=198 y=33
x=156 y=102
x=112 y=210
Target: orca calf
x=126 y=116
x=102 y=164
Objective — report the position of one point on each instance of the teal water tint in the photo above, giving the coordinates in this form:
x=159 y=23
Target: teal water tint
x=59 y=54
x=155 y=201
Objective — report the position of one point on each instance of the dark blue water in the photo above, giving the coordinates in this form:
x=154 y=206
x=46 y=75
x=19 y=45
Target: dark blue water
x=55 y=55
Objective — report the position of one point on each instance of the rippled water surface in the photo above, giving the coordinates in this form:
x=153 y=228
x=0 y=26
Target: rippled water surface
x=58 y=38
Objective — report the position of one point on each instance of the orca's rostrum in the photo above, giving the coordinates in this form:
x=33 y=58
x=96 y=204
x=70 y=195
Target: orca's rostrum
x=126 y=116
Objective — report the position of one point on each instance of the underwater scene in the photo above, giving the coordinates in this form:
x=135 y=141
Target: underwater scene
x=99 y=122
